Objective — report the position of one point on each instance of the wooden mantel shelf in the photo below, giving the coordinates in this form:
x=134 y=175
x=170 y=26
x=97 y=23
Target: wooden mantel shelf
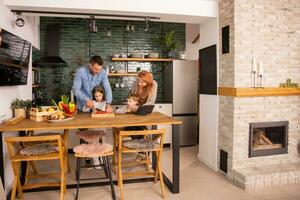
x=258 y=92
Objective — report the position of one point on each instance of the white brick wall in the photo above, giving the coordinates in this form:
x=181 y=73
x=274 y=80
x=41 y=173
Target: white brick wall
x=270 y=32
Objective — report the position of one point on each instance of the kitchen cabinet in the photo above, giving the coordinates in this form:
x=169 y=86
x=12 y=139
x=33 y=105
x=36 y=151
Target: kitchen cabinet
x=165 y=108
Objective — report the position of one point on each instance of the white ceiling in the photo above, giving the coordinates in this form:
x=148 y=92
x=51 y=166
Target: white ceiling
x=195 y=12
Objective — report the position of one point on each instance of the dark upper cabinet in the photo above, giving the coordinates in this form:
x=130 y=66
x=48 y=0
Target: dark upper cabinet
x=208 y=70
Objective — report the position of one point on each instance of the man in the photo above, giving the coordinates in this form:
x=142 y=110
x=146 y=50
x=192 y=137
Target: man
x=86 y=78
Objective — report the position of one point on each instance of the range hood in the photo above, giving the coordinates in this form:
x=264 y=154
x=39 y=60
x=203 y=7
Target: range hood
x=52 y=45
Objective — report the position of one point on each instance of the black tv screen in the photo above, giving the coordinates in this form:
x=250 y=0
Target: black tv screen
x=14 y=59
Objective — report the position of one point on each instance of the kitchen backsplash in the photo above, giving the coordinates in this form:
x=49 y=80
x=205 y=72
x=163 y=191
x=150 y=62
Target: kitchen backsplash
x=77 y=45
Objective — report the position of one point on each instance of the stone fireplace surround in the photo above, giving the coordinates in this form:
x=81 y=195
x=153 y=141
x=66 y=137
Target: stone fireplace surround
x=257 y=172
x=269 y=32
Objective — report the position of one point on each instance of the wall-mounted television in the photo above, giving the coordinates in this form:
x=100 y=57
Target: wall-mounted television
x=14 y=59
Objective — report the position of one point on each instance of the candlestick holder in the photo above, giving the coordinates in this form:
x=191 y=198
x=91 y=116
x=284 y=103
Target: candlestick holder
x=260 y=81
x=254 y=76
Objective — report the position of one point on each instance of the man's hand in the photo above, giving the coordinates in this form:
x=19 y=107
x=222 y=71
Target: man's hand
x=109 y=109
x=89 y=104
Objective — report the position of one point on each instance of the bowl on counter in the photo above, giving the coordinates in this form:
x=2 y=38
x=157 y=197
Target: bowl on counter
x=116 y=55
x=153 y=55
x=136 y=55
x=123 y=55
x=121 y=71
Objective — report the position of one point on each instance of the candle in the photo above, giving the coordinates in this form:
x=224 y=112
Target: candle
x=253 y=70
x=260 y=69
x=72 y=96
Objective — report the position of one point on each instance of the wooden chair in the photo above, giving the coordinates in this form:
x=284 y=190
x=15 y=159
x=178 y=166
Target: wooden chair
x=16 y=144
x=65 y=137
x=153 y=142
x=129 y=163
x=103 y=150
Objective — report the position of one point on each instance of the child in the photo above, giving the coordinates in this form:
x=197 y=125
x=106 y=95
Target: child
x=132 y=102
x=92 y=137
x=98 y=99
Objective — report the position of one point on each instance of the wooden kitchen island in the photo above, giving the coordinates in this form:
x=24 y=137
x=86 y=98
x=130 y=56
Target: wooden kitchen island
x=85 y=121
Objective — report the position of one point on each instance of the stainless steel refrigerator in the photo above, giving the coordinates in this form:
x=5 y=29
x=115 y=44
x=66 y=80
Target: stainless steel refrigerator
x=181 y=89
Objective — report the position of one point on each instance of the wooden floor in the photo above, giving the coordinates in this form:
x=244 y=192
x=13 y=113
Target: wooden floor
x=198 y=182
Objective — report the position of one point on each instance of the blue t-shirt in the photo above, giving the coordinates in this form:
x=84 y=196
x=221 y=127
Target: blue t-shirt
x=84 y=83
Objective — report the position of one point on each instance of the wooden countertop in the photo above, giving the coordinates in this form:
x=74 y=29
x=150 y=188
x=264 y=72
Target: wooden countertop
x=85 y=121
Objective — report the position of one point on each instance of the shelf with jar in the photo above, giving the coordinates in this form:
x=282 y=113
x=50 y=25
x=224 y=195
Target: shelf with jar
x=142 y=59
x=121 y=74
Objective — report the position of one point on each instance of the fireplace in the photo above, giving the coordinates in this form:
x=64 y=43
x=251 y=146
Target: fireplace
x=268 y=138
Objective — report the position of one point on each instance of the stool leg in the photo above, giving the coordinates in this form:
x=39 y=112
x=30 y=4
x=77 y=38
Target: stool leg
x=77 y=177
x=107 y=167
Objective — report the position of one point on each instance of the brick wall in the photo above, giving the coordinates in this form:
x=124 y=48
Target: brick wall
x=74 y=49
x=268 y=31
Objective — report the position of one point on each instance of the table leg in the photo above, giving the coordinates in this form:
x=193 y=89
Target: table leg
x=66 y=140
x=154 y=127
x=2 y=161
x=174 y=185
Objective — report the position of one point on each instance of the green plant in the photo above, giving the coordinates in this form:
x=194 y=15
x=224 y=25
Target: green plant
x=168 y=42
x=289 y=84
x=20 y=104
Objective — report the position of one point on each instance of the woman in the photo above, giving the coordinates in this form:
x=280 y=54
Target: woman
x=145 y=88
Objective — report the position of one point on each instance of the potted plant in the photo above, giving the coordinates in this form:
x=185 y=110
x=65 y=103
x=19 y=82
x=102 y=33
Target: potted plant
x=168 y=43
x=20 y=107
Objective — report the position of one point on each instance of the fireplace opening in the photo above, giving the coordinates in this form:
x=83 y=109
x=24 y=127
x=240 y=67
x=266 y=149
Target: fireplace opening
x=268 y=138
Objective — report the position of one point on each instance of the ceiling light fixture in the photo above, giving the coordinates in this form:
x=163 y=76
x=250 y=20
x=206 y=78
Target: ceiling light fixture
x=132 y=28
x=108 y=33
x=92 y=25
x=147 y=20
x=20 y=21
x=127 y=27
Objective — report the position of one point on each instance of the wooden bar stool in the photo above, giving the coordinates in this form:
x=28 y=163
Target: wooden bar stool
x=91 y=137
x=153 y=142
x=37 y=148
x=94 y=150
